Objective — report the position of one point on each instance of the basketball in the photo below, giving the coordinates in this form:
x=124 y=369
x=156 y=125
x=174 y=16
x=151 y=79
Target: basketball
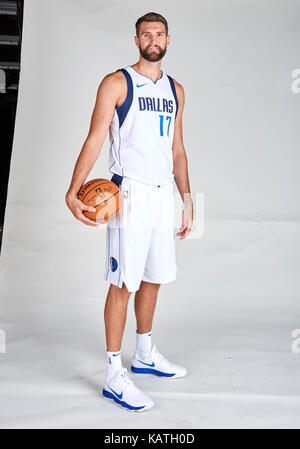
x=104 y=195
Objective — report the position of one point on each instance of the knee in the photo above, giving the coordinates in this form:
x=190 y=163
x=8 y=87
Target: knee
x=119 y=294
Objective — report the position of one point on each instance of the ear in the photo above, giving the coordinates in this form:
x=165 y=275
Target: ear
x=168 y=39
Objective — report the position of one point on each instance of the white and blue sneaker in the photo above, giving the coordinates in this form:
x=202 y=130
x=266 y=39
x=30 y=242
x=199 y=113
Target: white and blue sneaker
x=156 y=364
x=122 y=390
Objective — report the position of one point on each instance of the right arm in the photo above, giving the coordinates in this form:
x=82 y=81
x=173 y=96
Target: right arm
x=109 y=92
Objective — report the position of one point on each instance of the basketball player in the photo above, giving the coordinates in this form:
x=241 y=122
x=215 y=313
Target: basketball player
x=141 y=107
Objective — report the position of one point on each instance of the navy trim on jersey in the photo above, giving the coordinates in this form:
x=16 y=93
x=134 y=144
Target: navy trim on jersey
x=174 y=92
x=122 y=110
x=117 y=179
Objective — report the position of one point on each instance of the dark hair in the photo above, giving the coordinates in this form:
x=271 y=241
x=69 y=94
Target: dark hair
x=150 y=17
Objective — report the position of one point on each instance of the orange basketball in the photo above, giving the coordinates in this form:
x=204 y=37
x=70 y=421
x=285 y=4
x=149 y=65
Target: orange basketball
x=104 y=195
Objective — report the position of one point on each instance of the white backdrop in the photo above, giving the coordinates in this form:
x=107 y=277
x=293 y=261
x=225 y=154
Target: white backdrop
x=230 y=314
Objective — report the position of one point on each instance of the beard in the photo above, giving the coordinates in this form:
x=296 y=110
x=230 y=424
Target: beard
x=153 y=56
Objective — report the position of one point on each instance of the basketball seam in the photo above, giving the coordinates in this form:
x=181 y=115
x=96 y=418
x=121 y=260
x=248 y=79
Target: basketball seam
x=107 y=199
x=93 y=188
x=109 y=216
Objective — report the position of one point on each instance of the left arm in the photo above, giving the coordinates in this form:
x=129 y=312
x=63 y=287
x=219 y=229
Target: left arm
x=180 y=167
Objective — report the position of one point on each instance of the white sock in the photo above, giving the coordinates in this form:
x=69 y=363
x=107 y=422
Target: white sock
x=143 y=343
x=114 y=363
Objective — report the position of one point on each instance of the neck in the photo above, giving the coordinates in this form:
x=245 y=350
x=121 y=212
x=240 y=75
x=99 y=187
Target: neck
x=147 y=68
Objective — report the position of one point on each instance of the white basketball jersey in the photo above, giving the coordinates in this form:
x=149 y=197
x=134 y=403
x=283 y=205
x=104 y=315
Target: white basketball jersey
x=141 y=131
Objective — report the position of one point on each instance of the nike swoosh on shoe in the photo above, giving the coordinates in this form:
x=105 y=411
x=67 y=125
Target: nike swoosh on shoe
x=148 y=364
x=119 y=396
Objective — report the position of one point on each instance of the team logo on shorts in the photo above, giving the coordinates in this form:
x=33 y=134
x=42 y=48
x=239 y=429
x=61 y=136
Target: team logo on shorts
x=125 y=195
x=113 y=264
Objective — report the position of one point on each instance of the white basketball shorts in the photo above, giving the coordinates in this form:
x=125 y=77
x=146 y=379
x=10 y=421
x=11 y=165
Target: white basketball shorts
x=140 y=241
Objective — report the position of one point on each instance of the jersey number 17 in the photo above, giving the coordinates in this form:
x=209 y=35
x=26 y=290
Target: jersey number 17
x=168 y=117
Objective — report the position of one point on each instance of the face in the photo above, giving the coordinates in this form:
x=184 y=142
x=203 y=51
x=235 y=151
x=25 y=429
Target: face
x=152 y=41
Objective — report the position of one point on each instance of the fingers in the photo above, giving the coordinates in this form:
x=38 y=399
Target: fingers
x=77 y=208
x=89 y=222
x=85 y=220
x=184 y=233
x=88 y=208
x=182 y=228
x=185 y=229
x=183 y=223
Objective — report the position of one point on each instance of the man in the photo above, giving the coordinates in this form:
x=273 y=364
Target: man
x=142 y=108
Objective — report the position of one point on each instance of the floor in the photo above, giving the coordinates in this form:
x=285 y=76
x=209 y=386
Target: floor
x=54 y=381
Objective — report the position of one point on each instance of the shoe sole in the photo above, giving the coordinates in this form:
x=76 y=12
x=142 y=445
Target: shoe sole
x=124 y=404
x=136 y=370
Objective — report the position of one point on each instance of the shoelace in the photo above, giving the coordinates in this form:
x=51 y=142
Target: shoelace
x=161 y=358
x=127 y=380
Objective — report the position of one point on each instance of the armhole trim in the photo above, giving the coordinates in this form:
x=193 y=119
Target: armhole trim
x=123 y=109
x=174 y=92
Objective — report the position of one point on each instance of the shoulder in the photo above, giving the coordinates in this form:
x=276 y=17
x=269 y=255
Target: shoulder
x=113 y=80
x=113 y=85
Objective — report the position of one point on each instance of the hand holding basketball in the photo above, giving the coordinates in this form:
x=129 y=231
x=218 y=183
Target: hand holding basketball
x=99 y=201
x=77 y=208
